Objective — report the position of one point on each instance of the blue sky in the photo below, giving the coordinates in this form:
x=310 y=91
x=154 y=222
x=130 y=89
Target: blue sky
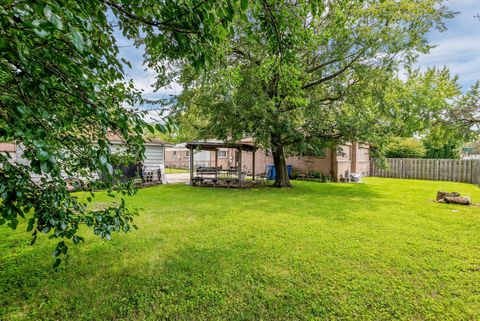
x=458 y=48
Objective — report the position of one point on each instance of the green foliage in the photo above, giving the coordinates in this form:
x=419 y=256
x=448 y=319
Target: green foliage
x=445 y=151
x=463 y=119
x=313 y=177
x=417 y=104
x=405 y=148
x=63 y=89
x=359 y=252
x=302 y=76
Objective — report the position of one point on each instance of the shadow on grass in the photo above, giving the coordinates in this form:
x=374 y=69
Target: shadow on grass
x=327 y=199
x=225 y=279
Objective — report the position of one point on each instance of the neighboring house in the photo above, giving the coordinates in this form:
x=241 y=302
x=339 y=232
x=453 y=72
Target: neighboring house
x=471 y=151
x=154 y=155
x=178 y=156
x=354 y=157
x=8 y=148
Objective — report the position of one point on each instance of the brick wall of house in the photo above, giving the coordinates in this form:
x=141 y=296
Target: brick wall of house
x=363 y=160
x=10 y=149
x=178 y=157
x=354 y=158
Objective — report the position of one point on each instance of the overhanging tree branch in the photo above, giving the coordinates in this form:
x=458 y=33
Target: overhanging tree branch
x=153 y=23
x=335 y=74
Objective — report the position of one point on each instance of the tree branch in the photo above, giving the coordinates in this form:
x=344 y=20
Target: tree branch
x=313 y=69
x=158 y=24
x=335 y=74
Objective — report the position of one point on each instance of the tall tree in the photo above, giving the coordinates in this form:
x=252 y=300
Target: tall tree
x=464 y=116
x=297 y=75
x=62 y=89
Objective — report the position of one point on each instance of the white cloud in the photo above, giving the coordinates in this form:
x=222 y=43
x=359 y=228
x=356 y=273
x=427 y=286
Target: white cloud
x=458 y=48
x=460 y=55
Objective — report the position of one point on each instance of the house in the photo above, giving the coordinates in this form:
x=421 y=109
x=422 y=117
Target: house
x=353 y=157
x=8 y=149
x=178 y=156
x=154 y=155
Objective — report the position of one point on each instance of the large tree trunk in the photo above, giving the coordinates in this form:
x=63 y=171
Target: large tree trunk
x=281 y=179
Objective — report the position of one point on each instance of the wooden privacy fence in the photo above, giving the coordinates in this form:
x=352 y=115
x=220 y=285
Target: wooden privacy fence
x=455 y=170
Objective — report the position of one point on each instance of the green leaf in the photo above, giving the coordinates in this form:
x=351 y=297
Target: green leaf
x=244 y=5
x=47 y=12
x=57 y=262
x=3 y=43
x=77 y=39
x=44 y=166
x=161 y=128
x=42 y=155
x=109 y=169
x=76 y=239
x=103 y=160
x=57 y=252
x=56 y=21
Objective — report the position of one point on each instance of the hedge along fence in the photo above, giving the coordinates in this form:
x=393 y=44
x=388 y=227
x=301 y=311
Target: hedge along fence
x=455 y=170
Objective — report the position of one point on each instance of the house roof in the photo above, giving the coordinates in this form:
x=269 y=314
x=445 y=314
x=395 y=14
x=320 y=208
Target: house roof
x=216 y=145
x=114 y=138
x=156 y=141
x=7 y=147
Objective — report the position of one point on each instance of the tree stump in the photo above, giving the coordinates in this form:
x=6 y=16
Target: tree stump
x=441 y=195
x=457 y=200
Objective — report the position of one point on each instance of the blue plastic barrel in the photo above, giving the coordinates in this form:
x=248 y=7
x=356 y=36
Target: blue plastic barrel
x=270 y=170
x=289 y=170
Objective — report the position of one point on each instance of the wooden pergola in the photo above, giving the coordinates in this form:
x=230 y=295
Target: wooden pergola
x=216 y=177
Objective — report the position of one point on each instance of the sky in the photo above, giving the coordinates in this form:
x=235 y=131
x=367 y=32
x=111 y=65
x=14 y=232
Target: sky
x=458 y=48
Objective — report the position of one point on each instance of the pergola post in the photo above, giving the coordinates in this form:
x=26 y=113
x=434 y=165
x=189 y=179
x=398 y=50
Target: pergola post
x=191 y=165
x=239 y=153
x=216 y=163
x=253 y=166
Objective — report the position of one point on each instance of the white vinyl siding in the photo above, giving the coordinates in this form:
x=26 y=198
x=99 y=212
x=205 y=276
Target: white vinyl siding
x=153 y=156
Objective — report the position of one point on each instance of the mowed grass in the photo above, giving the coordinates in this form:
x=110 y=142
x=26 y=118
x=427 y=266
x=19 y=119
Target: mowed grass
x=170 y=170
x=381 y=250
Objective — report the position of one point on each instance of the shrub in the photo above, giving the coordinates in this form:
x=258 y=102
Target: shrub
x=405 y=148
x=449 y=151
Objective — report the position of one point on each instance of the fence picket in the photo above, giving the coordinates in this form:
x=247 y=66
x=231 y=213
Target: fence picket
x=467 y=171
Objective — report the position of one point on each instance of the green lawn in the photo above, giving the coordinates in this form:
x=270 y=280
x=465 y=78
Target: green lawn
x=375 y=251
x=176 y=170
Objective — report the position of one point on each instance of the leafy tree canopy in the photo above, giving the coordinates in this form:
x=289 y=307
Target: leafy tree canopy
x=302 y=75
x=62 y=89
x=405 y=148
x=444 y=151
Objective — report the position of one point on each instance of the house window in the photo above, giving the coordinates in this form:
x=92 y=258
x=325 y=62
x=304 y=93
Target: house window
x=222 y=154
x=174 y=153
x=187 y=153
